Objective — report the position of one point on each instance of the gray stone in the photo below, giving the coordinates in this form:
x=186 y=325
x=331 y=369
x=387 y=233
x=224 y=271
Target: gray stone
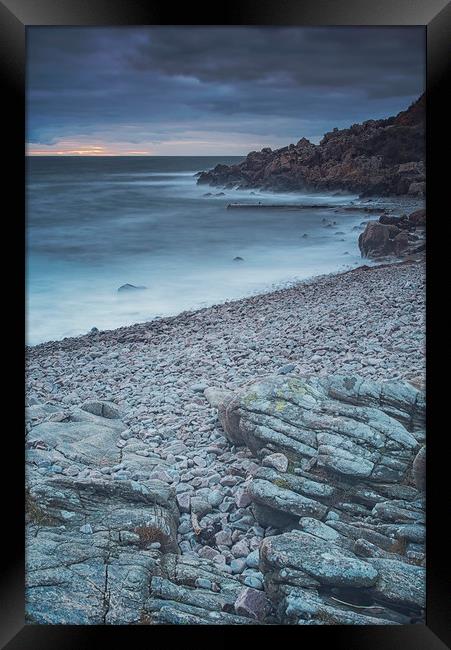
x=223 y=538
x=88 y=535
x=277 y=461
x=255 y=583
x=344 y=422
x=314 y=557
x=215 y=396
x=102 y=408
x=214 y=498
x=284 y=370
x=400 y=583
x=240 y=549
x=238 y=565
x=199 y=506
x=252 y=560
x=87 y=529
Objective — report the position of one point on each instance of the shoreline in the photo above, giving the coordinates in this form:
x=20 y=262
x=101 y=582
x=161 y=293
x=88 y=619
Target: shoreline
x=131 y=412
x=272 y=289
x=282 y=302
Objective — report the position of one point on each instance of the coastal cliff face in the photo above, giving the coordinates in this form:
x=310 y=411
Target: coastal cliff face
x=377 y=157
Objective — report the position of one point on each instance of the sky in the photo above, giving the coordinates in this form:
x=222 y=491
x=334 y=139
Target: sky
x=211 y=90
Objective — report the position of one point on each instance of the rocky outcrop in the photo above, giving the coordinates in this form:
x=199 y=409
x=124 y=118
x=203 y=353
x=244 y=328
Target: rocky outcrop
x=394 y=236
x=318 y=581
x=102 y=532
x=377 y=157
x=349 y=506
x=94 y=532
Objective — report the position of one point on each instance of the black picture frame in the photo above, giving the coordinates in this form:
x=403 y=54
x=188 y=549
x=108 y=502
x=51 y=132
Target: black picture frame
x=434 y=15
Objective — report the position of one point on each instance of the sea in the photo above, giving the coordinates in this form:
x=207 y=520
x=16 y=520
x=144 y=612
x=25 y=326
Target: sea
x=94 y=224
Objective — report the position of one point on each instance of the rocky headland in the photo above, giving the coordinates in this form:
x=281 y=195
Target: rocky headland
x=255 y=462
x=377 y=157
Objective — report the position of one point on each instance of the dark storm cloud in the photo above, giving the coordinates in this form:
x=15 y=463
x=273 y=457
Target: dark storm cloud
x=372 y=58
x=206 y=85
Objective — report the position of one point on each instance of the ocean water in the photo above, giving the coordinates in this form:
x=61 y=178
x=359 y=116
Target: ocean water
x=94 y=224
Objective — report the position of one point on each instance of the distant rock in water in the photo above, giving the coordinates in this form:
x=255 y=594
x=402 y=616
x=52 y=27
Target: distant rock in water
x=130 y=287
x=238 y=259
x=377 y=157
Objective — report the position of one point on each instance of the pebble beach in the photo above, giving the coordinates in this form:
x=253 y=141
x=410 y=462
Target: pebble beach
x=369 y=321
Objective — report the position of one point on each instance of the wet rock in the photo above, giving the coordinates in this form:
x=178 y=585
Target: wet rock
x=379 y=240
x=418 y=218
x=126 y=288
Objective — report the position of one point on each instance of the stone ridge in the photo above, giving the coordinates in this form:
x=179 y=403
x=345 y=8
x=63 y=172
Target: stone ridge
x=378 y=157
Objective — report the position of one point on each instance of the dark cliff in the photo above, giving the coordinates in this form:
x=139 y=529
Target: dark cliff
x=377 y=157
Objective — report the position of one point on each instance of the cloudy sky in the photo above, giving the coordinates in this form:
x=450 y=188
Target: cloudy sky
x=211 y=90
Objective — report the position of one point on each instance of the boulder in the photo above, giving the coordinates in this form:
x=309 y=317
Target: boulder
x=345 y=499
x=379 y=240
x=418 y=218
x=126 y=288
x=348 y=426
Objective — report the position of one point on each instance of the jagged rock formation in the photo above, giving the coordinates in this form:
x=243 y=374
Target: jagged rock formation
x=377 y=157
x=394 y=236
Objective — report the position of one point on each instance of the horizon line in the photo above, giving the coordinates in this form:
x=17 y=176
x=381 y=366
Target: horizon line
x=113 y=155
